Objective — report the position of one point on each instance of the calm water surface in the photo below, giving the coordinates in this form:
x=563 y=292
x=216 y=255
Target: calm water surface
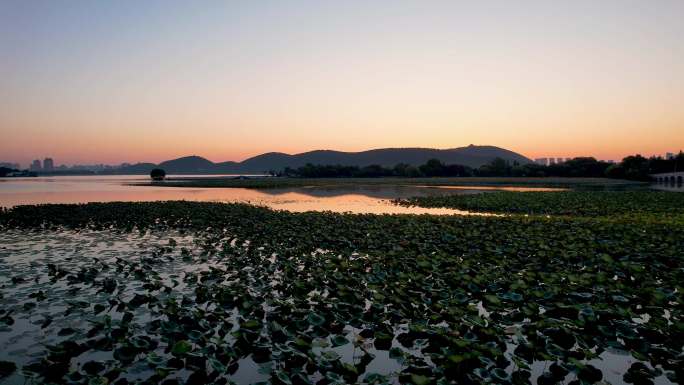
x=355 y=199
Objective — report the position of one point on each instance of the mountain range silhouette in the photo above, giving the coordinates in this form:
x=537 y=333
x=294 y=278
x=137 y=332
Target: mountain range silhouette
x=472 y=155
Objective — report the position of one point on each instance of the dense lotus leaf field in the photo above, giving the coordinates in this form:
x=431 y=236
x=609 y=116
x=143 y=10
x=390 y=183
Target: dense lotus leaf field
x=580 y=203
x=182 y=292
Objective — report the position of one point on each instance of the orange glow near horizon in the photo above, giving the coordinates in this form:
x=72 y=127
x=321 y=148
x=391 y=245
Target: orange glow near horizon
x=164 y=80
x=113 y=144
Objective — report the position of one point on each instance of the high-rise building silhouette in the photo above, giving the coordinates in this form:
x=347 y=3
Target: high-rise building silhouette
x=36 y=166
x=48 y=164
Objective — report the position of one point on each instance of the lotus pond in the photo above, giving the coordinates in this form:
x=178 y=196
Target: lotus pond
x=575 y=203
x=192 y=292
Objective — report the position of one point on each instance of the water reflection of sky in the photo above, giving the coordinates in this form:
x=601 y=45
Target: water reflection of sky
x=668 y=187
x=355 y=199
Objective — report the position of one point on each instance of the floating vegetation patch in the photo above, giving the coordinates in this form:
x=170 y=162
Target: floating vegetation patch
x=582 y=203
x=284 y=182
x=197 y=293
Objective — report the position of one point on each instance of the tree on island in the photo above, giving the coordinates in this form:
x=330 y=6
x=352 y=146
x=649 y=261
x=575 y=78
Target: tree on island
x=157 y=174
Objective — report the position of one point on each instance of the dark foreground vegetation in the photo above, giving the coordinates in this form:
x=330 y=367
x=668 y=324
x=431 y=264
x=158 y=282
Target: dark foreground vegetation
x=634 y=167
x=467 y=300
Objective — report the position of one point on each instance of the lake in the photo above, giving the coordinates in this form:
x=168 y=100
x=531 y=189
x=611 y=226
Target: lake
x=254 y=295
x=354 y=199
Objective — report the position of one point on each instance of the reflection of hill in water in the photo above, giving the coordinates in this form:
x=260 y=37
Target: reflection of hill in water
x=378 y=192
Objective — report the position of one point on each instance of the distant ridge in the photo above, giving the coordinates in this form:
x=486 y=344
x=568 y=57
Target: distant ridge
x=473 y=156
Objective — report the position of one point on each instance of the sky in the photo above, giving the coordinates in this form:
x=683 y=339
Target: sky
x=126 y=81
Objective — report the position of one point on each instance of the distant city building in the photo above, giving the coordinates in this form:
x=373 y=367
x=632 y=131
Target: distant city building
x=10 y=165
x=669 y=155
x=48 y=164
x=551 y=160
x=36 y=165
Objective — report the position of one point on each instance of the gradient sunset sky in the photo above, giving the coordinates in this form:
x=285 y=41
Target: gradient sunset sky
x=113 y=81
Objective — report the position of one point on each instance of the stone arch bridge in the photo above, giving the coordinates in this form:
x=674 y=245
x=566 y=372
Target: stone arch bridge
x=669 y=178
